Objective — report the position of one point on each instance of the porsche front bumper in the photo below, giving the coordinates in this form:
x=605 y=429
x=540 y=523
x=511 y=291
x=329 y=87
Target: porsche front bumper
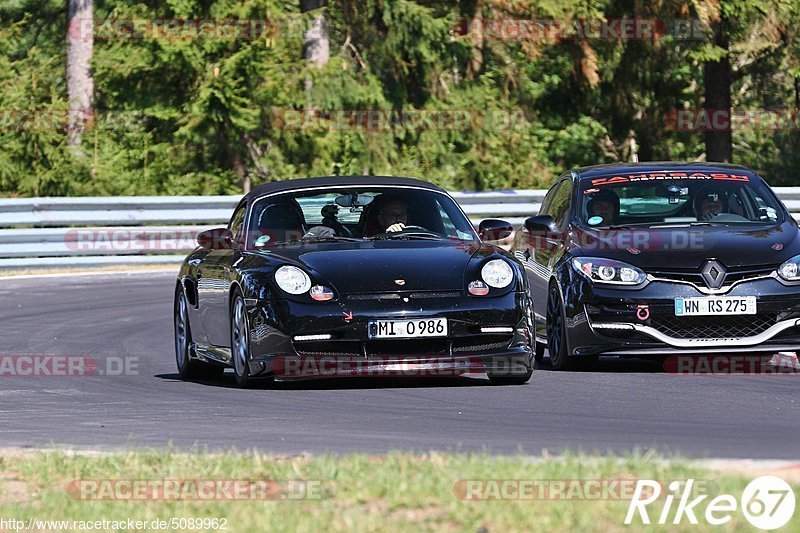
x=295 y=340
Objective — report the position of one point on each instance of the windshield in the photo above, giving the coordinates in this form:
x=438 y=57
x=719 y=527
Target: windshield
x=677 y=198
x=356 y=214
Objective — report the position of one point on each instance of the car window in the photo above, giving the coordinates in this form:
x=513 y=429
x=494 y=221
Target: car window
x=449 y=227
x=648 y=200
x=356 y=213
x=236 y=225
x=315 y=207
x=548 y=198
x=559 y=207
x=677 y=198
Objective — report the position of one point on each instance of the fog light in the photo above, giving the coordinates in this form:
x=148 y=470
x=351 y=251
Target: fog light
x=323 y=337
x=320 y=293
x=478 y=288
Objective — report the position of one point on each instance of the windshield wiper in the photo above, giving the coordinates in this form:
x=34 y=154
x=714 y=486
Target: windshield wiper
x=706 y=223
x=664 y=225
x=618 y=226
x=422 y=236
x=279 y=243
x=330 y=238
x=320 y=238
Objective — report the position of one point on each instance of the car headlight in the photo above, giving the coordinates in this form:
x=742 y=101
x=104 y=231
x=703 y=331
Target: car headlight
x=601 y=270
x=292 y=279
x=790 y=270
x=497 y=273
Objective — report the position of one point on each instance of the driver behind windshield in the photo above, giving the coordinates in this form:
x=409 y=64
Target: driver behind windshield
x=710 y=203
x=393 y=215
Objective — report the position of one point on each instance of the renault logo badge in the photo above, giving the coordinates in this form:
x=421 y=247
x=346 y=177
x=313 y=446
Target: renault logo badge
x=714 y=274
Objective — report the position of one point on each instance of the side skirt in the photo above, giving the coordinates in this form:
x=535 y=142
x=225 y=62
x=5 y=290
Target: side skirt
x=211 y=354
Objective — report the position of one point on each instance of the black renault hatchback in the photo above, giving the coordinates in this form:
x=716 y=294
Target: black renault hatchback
x=661 y=258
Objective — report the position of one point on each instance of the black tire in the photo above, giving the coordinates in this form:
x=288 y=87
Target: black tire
x=240 y=341
x=188 y=368
x=557 y=332
x=537 y=347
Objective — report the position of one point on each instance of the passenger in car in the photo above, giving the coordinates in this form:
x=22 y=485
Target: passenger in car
x=604 y=204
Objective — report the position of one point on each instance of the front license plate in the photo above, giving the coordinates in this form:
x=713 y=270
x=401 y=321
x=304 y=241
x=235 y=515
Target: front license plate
x=407 y=329
x=745 y=305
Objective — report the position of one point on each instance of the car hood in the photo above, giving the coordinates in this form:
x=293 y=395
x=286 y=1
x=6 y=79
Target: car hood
x=373 y=266
x=689 y=247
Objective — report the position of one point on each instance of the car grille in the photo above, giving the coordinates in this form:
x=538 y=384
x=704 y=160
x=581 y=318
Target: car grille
x=713 y=327
x=694 y=275
x=375 y=296
x=329 y=349
x=437 y=295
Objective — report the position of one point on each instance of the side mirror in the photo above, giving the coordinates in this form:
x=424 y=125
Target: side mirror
x=215 y=239
x=541 y=224
x=492 y=229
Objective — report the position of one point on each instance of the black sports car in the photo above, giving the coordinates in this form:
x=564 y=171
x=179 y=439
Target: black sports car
x=346 y=276
x=662 y=258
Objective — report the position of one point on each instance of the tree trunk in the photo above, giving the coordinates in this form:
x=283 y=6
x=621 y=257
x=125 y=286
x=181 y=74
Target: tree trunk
x=316 y=42
x=80 y=85
x=241 y=171
x=477 y=41
x=717 y=80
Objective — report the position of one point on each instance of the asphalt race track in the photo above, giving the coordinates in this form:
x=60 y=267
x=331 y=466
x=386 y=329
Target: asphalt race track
x=619 y=405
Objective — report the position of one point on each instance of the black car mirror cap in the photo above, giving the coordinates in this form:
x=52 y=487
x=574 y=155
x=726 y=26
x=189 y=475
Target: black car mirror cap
x=541 y=224
x=215 y=239
x=493 y=229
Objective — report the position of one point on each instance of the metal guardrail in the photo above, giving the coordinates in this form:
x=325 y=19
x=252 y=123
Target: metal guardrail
x=129 y=230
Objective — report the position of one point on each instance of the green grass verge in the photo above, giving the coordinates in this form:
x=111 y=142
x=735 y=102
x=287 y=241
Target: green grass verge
x=395 y=492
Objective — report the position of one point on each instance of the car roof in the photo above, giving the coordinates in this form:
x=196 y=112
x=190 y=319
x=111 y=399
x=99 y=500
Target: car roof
x=337 y=181
x=595 y=171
